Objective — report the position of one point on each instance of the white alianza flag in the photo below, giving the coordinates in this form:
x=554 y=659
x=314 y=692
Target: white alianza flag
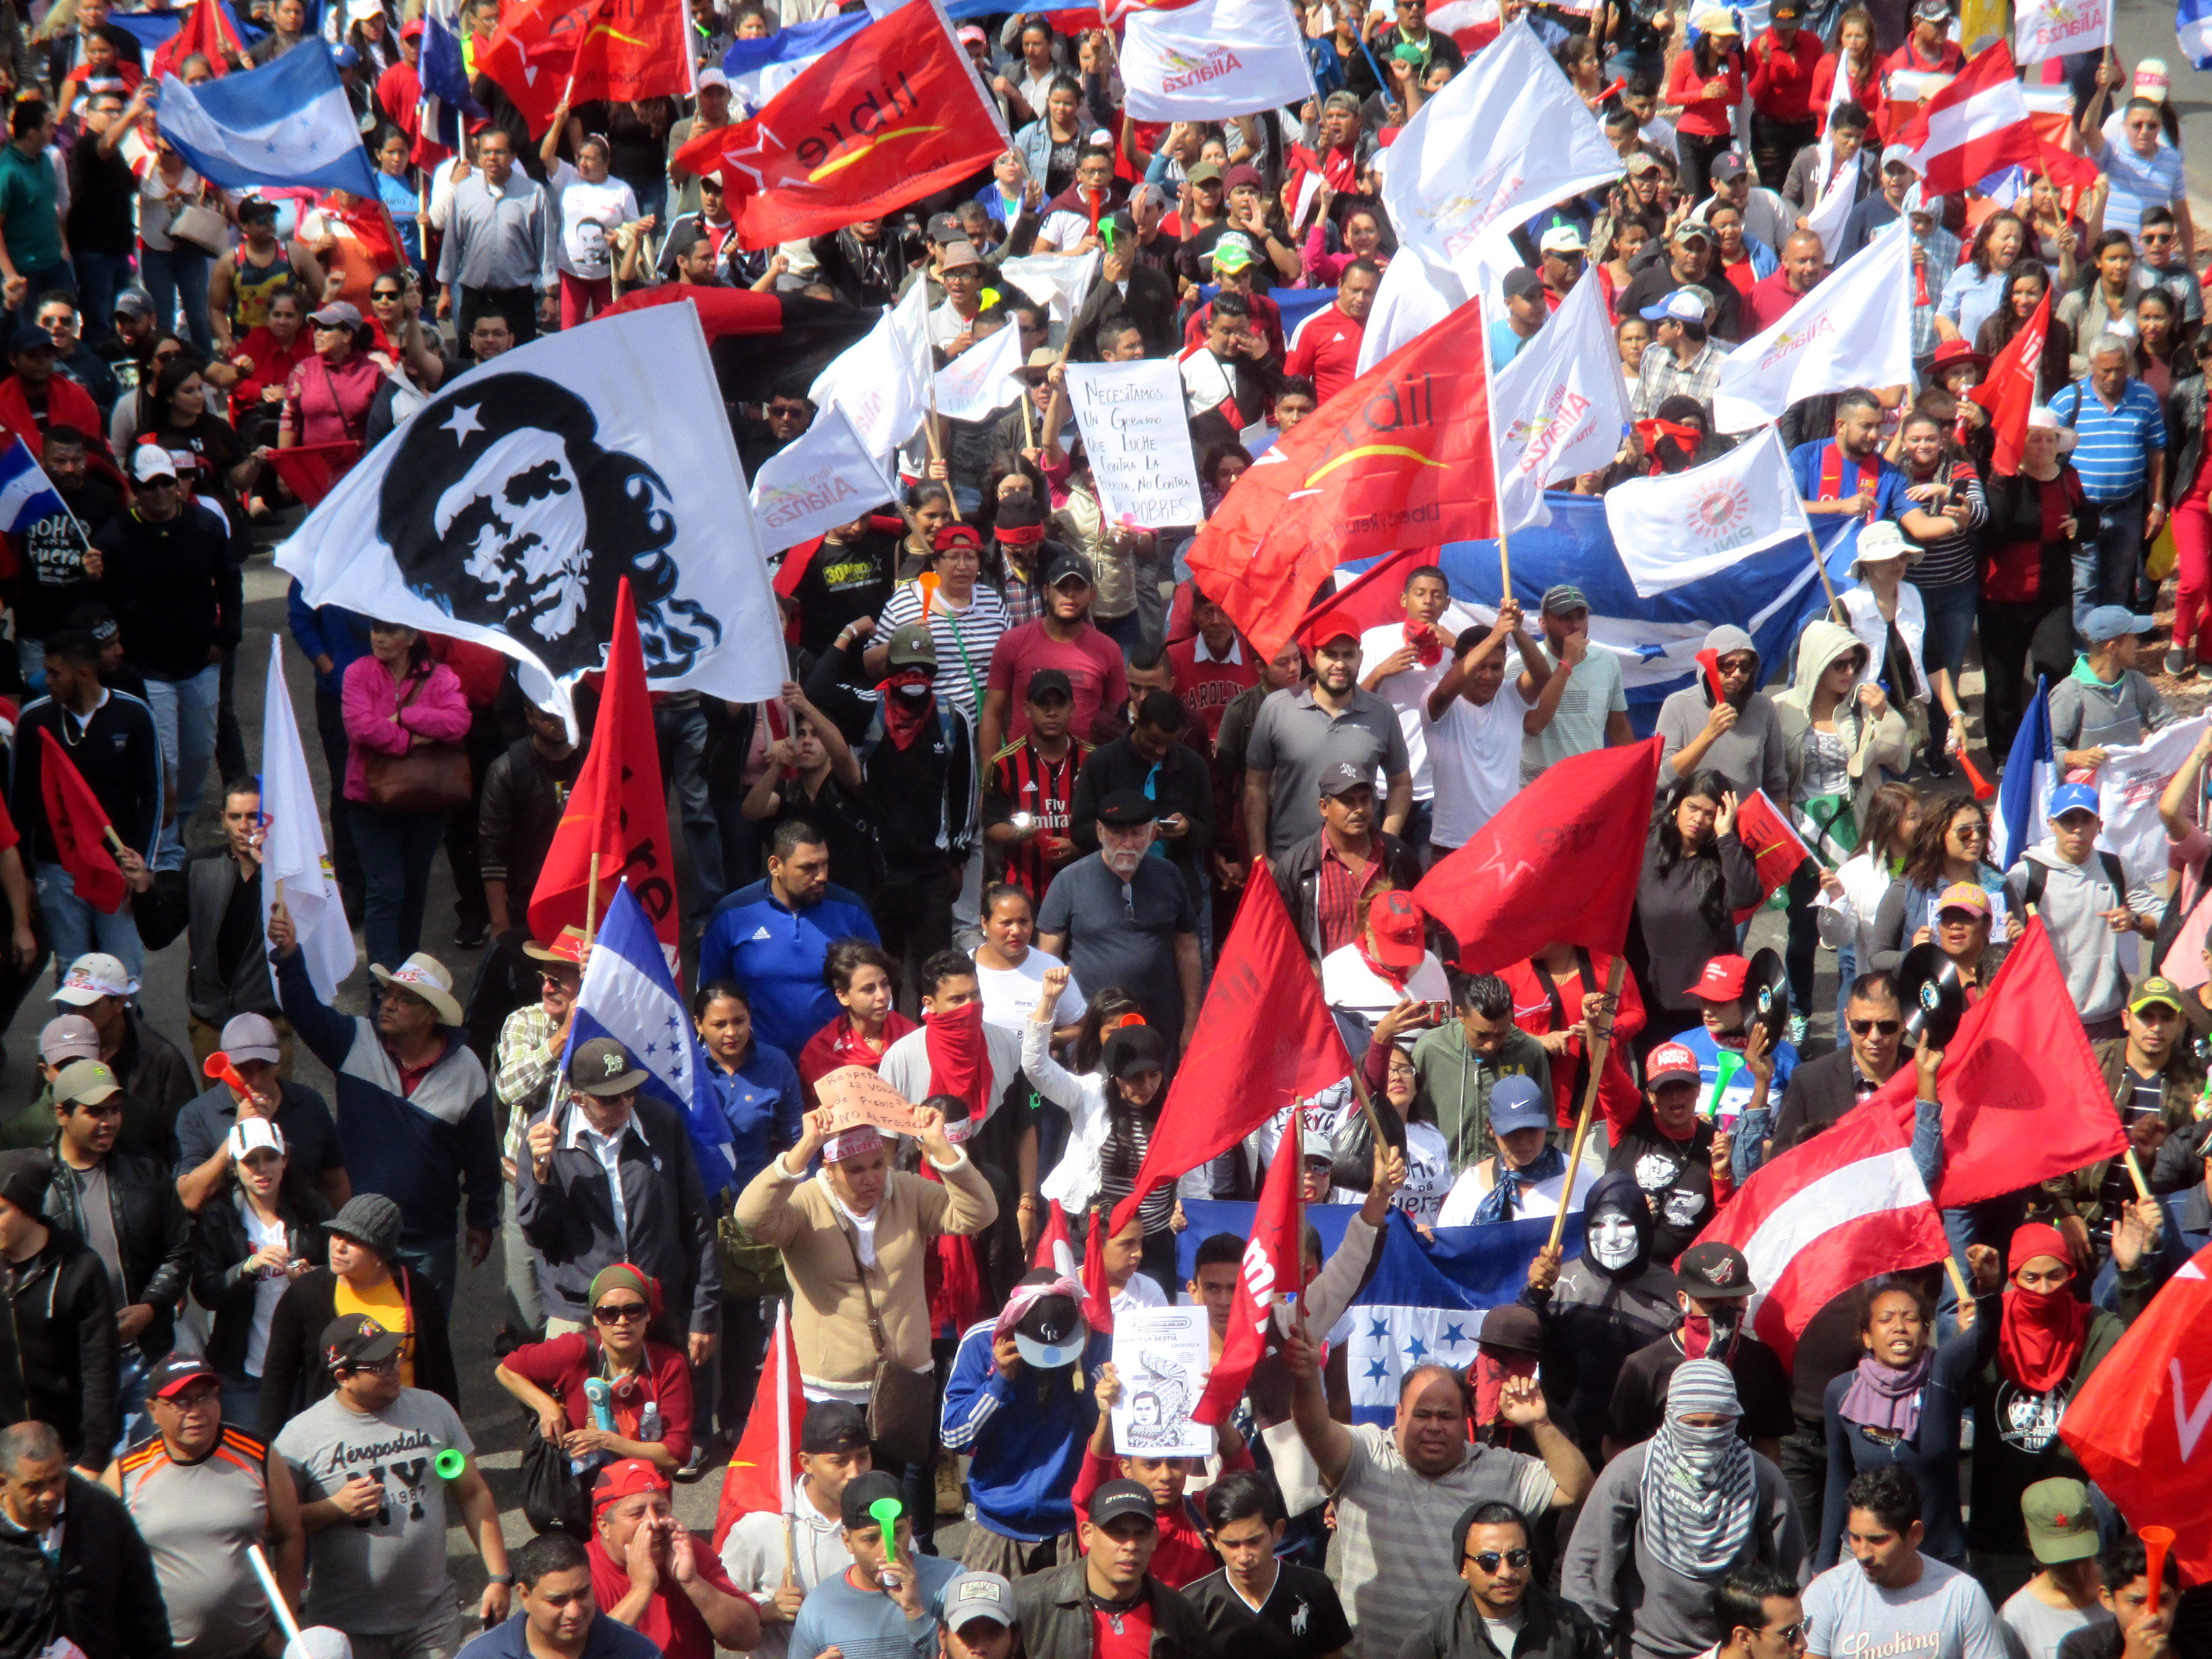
x=2052 y=28
x=983 y=379
x=1213 y=59
x=293 y=859
x=2128 y=785
x=1833 y=211
x=1057 y=281
x=1507 y=136
x=1683 y=527
x=882 y=381
x=824 y=478
x=1413 y=297
x=1558 y=408
x=509 y=509
x=1855 y=329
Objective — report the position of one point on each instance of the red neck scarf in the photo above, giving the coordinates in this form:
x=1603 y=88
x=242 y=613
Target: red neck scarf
x=903 y=718
x=1396 y=976
x=959 y=1064
x=1428 y=649
x=848 y=1048
x=2041 y=1338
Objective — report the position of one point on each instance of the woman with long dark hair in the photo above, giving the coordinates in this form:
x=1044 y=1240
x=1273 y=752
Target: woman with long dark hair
x=1706 y=83
x=1696 y=877
x=2026 y=283
x=2159 y=359
x=176 y=418
x=859 y=975
x=2103 y=301
x=1856 y=887
x=248 y=1245
x=1951 y=846
x=1976 y=288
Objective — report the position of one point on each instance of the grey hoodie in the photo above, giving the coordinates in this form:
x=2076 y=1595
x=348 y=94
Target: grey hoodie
x=1751 y=754
x=2096 y=960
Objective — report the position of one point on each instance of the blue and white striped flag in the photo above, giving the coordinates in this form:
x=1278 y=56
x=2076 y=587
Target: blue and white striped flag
x=758 y=70
x=628 y=994
x=446 y=98
x=284 y=125
x=2030 y=774
x=26 y=495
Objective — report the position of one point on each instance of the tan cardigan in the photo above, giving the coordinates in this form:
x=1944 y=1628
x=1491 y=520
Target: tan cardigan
x=828 y=1319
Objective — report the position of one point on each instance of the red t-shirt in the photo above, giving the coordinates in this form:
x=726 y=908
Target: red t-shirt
x=1207 y=688
x=1091 y=662
x=1325 y=350
x=1122 y=1636
x=561 y=1365
x=1769 y=301
x=669 y=1622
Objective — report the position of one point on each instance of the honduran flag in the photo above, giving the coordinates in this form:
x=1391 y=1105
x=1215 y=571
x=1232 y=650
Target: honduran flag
x=2192 y=31
x=758 y=70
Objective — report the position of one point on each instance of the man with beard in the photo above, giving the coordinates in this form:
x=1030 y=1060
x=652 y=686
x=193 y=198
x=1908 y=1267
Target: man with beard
x=1300 y=733
x=1124 y=918
x=1736 y=736
x=1714 y=1281
x=1677 y=1159
x=1603 y=1307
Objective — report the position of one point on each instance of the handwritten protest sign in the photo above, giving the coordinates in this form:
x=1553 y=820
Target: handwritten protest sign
x=1134 y=430
x=852 y=1096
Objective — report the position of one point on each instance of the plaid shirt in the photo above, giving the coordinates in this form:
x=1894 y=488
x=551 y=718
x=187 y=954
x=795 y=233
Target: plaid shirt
x=1024 y=600
x=1341 y=894
x=1942 y=249
x=1659 y=377
x=522 y=1065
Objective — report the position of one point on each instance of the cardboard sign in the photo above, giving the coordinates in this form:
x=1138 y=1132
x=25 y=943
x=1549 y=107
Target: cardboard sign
x=852 y=1096
x=1137 y=437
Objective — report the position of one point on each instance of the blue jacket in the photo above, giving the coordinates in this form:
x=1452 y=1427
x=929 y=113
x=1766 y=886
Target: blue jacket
x=777 y=955
x=606 y=1639
x=762 y=1104
x=1027 y=1450
x=319 y=628
x=1755 y=1128
x=421 y=1150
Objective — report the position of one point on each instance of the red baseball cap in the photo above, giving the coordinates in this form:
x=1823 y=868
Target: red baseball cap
x=1335 y=625
x=625 y=1479
x=1669 y=1060
x=1396 y=920
x=1723 y=980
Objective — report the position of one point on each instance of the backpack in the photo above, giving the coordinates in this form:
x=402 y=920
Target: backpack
x=2039 y=872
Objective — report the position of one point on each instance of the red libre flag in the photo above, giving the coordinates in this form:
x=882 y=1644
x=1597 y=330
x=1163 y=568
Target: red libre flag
x=1560 y=863
x=766 y=1460
x=1977 y=125
x=1274 y=1261
x=894 y=113
x=2008 y=390
x=1773 y=843
x=1402 y=454
x=206 y=32
x=616 y=827
x=1264 y=1039
x=2138 y=1424
x=311 y=472
x=2023 y=1097
x=546 y=50
x=81 y=829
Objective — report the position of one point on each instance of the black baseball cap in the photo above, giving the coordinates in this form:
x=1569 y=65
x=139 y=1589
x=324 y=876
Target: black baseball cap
x=1711 y=1270
x=1065 y=563
x=1049 y=682
x=1117 y=1500
x=1341 y=777
x=863 y=1490
x=1125 y=809
x=357 y=1339
x=832 y=1425
x=172 y=1375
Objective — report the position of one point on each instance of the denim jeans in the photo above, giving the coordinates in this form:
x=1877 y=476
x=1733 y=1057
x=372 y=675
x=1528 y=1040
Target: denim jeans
x=101 y=277
x=177 y=277
x=73 y=926
x=183 y=714
x=2107 y=570
x=396 y=851
x=681 y=734
x=130 y=1370
x=1950 y=625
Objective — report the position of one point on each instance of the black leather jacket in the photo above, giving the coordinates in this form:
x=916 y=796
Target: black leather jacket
x=152 y=1230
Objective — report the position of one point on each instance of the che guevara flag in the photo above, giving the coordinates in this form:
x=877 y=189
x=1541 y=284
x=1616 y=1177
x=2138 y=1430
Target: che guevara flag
x=1400 y=456
x=894 y=113
x=80 y=827
x=614 y=826
x=546 y=50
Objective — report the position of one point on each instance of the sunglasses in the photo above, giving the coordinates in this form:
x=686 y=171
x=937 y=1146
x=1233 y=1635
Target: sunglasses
x=1488 y=1560
x=378 y=1368
x=1887 y=1027
x=1789 y=1634
x=614 y=1313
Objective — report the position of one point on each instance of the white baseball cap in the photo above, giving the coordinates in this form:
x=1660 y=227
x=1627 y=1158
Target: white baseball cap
x=96 y=975
x=253 y=1134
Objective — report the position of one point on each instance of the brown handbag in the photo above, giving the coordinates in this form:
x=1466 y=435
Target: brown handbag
x=901 y=1404
x=430 y=777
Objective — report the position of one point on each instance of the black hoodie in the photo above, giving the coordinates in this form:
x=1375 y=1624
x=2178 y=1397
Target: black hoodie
x=58 y=1352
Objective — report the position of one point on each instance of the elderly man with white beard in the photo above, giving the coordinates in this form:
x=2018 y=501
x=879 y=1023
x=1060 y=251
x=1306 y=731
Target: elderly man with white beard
x=1120 y=917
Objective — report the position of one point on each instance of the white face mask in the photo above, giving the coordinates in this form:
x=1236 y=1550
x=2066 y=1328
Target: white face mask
x=1612 y=1239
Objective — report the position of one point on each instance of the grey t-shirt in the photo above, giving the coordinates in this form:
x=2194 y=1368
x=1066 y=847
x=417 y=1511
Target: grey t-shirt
x=1594 y=691
x=1124 y=934
x=1294 y=738
x=2033 y=1628
x=385 y=1574
x=865 y=1625
x=98 y=1208
x=1945 y=1615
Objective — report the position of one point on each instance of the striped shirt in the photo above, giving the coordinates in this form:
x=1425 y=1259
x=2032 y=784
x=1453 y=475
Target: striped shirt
x=1948 y=561
x=198 y=1518
x=1022 y=781
x=964 y=640
x=2114 y=445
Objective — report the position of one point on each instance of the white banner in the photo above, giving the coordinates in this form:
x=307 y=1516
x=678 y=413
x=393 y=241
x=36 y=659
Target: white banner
x=2128 y=785
x=1131 y=416
x=984 y=379
x=1414 y=298
x=508 y=510
x=1558 y=408
x=2052 y=28
x=1854 y=329
x=1162 y=1357
x=1507 y=136
x=294 y=860
x=824 y=478
x=1214 y=59
x=1680 y=528
x=1833 y=211
x=882 y=382
x=1058 y=282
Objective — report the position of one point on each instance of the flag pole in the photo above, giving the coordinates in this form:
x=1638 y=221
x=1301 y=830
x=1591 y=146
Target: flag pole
x=1600 y=1051
x=936 y=447
x=1505 y=556
x=1836 y=612
x=592 y=902
x=783 y=1434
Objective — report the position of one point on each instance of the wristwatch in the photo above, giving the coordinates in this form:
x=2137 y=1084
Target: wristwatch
x=499 y=1579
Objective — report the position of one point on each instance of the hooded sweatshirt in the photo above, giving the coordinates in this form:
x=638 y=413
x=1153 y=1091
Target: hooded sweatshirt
x=1750 y=754
x=2096 y=961
x=1595 y=1317
x=1888 y=743
x=2087 y=713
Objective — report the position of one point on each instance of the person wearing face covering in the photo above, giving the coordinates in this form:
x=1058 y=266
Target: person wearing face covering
x=1601 y=1307
x=1715 y=1285
x=2026 y=1354
x=1670 y=1520
x=1739 y=737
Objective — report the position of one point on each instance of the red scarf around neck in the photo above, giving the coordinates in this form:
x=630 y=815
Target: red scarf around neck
x=1396 y=976
x=959 y=1064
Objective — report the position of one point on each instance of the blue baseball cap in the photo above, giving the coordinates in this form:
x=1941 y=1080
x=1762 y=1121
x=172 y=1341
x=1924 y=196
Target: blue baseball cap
x=1516 y=1102
x=2111 y=622
x=2067 y=797
x=1684 y=305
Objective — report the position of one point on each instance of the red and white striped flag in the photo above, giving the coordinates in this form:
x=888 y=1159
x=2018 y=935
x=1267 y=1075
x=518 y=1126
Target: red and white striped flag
x=1977 y=125
x=1829 y=1214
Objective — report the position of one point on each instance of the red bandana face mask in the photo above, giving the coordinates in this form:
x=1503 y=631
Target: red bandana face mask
x=904 y=716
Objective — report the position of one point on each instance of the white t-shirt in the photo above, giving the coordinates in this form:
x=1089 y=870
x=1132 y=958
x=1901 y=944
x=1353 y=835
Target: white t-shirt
x=1350 y=986
x=1408 y=693
x=1476 y=752
x=1944 y=1615
x=1428 y=1176
x=588 y=213
x=1142 y=1291
x=1009 y=994
x=2037 y=1628
x=268 y=1288
x=1541 y=1199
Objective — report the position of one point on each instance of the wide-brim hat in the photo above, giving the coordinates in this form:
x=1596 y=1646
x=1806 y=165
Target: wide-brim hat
x=426 y=977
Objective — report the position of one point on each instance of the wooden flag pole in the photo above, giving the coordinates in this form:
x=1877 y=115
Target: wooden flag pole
x=1835 y=606
x=1600 y=1049
x=591 y=902
x=1959 y=1288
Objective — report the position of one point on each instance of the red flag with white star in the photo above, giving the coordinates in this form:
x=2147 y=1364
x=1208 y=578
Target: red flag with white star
x=893 y=114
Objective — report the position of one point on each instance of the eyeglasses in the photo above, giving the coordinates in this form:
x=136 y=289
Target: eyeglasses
x=614 y=1313
x=1789 y=1635
x=1488 y=1560
x=1968 y=831
x=1887 y=1027
x=558 y=980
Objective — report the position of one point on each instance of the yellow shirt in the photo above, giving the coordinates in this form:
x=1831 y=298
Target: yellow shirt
x=384 y=1306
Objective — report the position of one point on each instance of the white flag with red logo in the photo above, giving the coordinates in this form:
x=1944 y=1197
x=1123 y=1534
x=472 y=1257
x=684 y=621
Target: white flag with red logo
x=1854 y=328
x=1211 y=59
x=1561 y=406
x=1828 y=1214
x=1682 y=526
x=2052 y=28
x=1977 y=125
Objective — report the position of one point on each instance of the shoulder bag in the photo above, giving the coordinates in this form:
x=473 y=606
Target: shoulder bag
x=430 y=777
x=901 y=1404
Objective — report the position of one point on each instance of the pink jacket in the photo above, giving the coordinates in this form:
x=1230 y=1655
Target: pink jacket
x=438 y=712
